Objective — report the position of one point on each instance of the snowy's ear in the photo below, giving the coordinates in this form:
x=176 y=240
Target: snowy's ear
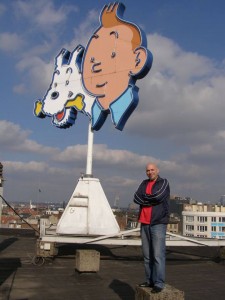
x=62 y=58
x=77 y=56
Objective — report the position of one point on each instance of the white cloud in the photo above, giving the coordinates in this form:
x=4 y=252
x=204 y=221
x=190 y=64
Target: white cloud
x=18 y=167
x=173 y=62
x=14 y=138
x=84 y=31
x=180 y=99
x=23 y=180
x=19 y=89
x=102 y=155
x=32 y=63
x=38 y=72
x=121 y=182
x=10 y=42
x=21 y=167
x=43 y=14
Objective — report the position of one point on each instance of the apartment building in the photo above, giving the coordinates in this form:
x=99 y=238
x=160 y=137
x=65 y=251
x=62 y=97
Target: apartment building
x=198 y=221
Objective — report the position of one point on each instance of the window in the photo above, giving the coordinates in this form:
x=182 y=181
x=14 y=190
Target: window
x=202 y=228
x=213 y=228
x=190 y=218
x=189 y=227
x=221 y=219
x=222 y=229
x=201 y=235
x=213 y=219
x=202 y=219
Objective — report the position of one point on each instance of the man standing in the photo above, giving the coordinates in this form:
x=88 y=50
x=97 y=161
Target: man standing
x=153 y=197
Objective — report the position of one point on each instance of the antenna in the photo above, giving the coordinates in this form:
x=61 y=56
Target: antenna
x=116 y=202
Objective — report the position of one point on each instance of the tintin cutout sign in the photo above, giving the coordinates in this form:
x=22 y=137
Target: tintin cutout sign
x=100 y=79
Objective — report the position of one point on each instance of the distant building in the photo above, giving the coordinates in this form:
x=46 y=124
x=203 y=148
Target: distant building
x=52 y=212
x=174 y=225
x=222 y=200
x=206 y=221
x=176 y=205
x=1 y=190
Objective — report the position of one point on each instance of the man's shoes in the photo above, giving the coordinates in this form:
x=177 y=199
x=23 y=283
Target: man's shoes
x=156 y=289
x=146 y=284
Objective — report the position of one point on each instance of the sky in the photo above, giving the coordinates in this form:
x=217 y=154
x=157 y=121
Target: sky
x=179 y=123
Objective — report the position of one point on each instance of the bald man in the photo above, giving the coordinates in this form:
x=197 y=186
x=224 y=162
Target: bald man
x=153 y=197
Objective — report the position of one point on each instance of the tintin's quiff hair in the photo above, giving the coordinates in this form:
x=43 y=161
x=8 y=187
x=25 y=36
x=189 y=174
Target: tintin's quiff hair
x=109 y=18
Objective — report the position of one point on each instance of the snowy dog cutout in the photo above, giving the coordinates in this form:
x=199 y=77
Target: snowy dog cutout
x=65 y=96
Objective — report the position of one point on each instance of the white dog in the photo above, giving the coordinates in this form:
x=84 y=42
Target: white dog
x=65 y=96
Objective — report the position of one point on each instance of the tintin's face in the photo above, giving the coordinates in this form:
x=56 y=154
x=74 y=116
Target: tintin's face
x=108 y=61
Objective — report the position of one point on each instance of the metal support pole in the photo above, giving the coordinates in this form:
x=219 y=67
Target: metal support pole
x=89 y=151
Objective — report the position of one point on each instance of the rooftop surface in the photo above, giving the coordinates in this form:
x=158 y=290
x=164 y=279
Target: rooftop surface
x=195 y=270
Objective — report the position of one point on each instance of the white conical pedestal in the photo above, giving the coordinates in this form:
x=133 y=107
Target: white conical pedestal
x=88 y=211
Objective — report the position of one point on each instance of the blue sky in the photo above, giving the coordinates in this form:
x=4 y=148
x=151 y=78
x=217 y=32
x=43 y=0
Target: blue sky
x=179 y=122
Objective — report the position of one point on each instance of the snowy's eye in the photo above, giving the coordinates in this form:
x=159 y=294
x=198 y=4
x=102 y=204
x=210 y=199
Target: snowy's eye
x=54 y=95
